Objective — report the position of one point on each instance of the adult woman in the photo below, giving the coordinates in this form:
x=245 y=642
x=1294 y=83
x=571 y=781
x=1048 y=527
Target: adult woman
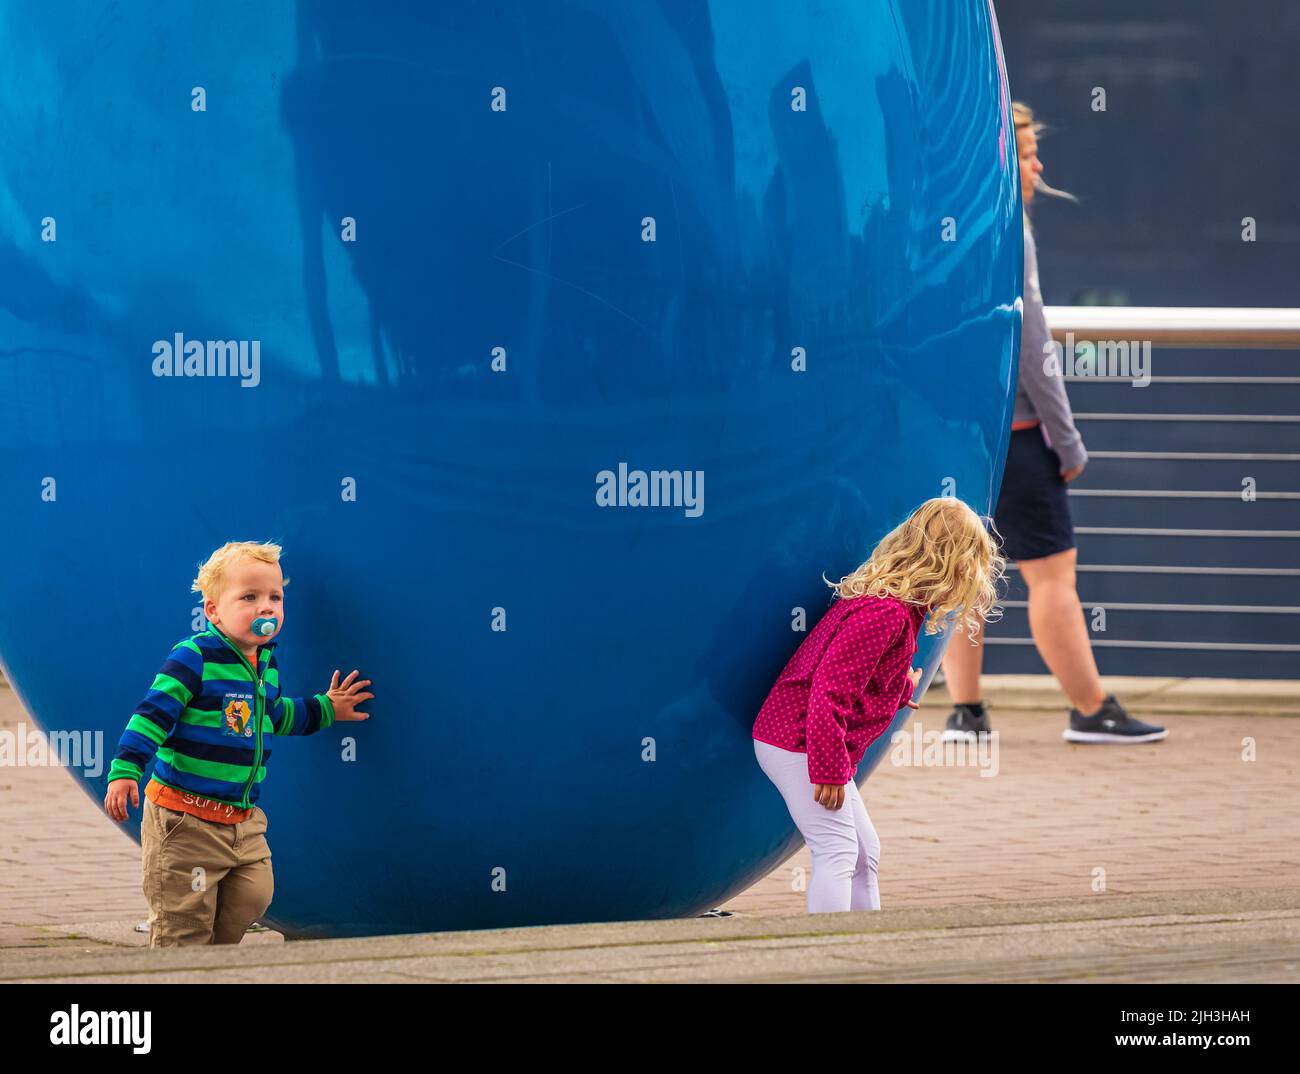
x=1033 y=518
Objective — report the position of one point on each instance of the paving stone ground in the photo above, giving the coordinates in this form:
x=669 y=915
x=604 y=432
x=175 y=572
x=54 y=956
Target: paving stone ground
x=1079 y=832
x=1185 y=814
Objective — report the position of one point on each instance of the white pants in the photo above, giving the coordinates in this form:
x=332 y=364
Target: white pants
x=845 y=847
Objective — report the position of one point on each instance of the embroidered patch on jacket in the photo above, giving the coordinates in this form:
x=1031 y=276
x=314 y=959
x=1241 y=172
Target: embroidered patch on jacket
x=237 y=713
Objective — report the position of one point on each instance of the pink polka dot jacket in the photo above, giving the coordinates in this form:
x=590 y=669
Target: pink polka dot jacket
x=844 y=685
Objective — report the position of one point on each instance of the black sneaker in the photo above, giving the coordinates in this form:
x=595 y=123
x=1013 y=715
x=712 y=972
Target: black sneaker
x=967 y=722
x=1110 y=723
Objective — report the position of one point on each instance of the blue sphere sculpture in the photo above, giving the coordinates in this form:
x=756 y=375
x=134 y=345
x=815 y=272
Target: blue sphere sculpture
x=562 y=345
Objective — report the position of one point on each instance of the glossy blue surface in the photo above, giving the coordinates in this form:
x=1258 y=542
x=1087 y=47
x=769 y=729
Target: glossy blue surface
x=518 y=750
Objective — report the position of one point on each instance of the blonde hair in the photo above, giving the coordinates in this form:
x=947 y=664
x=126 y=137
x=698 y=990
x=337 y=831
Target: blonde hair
x=943 y=556
x=1023 y=116
x=211 y=581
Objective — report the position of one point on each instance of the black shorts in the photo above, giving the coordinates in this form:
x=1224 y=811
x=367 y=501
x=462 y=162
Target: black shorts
x=1033 y=512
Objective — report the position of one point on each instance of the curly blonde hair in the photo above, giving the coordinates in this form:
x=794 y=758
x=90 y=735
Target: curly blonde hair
x=211 y=580
x=944 y=557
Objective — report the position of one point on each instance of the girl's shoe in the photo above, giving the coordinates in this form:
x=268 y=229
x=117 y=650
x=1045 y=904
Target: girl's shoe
x=1110 y=723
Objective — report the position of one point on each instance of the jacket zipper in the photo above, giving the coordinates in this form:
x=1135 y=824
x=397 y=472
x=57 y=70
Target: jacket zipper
x=257 y=713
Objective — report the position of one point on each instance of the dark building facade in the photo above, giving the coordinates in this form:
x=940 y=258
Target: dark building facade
x=1187 y=517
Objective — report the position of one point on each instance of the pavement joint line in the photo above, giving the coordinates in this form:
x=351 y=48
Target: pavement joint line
x=1156 y=691
x=339 y=957
x=1052 y=966
x=1055 y=968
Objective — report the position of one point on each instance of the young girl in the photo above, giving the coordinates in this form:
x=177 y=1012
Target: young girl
x=846 y=682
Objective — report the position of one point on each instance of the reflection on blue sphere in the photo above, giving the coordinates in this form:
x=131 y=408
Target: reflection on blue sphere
x=765 y=255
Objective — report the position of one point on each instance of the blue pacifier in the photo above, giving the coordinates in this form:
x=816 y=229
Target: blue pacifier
x=264 y=626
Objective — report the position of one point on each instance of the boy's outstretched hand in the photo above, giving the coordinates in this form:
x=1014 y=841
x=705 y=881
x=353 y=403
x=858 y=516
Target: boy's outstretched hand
x=119 y=790
x=347 y=696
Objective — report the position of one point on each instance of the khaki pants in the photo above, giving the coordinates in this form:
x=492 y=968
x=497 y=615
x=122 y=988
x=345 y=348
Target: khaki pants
x=206 y=882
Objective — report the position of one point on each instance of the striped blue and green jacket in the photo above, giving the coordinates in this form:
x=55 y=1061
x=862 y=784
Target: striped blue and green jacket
x=205 y=716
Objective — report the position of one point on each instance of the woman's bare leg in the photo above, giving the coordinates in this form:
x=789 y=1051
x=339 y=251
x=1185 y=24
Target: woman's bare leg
x=1060 y=632
x=961 y=667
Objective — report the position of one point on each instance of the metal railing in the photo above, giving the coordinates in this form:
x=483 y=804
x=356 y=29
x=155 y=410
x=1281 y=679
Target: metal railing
x=1182 y=326
x=1189 y=327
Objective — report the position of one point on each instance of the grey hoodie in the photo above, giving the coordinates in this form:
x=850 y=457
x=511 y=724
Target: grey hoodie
x=1039 y=395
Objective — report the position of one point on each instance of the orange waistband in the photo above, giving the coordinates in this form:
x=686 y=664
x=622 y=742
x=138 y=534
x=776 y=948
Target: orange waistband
x=1024 y=424
x=204 y=808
